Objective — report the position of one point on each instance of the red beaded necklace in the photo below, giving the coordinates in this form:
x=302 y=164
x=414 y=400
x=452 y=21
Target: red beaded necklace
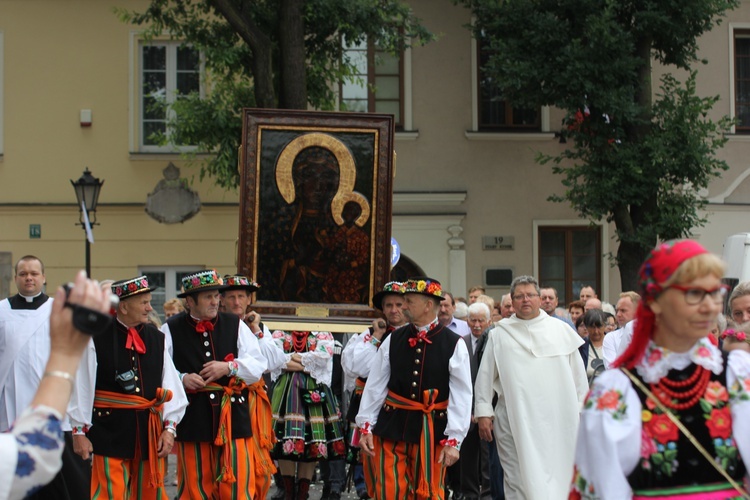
x=299 y=341
x=682 y=394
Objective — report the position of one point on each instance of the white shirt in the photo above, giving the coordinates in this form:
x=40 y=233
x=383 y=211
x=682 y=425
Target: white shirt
x=358 y=355
x=459 y=326
x=615 y=343
x=273 y=353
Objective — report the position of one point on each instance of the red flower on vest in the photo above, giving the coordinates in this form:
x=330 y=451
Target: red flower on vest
x=720 y=423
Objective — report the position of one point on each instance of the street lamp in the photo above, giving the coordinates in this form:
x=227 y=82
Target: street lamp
x=87 y=192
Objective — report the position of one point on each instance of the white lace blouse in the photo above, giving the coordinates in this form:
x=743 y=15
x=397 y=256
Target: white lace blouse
x=318 y=360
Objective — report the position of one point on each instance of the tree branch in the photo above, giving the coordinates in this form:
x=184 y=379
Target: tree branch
x=260 y=45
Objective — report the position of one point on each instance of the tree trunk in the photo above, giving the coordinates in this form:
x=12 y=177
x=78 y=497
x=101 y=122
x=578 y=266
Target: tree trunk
x=631 y=251
x=265 y=95
x=260 y=45
x=643 y=92
x=629 y=221
x=292 y=49
x=630 y=256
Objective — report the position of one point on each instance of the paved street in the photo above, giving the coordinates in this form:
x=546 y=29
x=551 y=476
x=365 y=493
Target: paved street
x=315 y=490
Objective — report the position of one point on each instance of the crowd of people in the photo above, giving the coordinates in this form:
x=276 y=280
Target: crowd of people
x=440 y=398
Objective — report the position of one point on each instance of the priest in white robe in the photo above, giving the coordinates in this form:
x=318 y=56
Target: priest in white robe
x=24 y=350
x=24 y=341
x=531 y=362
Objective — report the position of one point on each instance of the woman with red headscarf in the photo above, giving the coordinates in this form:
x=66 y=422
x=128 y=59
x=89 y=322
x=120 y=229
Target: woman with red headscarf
x=672 y=418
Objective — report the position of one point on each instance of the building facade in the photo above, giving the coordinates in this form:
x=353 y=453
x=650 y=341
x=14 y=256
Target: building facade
x=470 y=203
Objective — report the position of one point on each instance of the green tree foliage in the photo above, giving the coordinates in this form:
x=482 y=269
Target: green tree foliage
x=635 y=157
x=267 y=53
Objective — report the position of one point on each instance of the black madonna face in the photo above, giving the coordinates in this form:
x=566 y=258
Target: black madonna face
x=316 y=177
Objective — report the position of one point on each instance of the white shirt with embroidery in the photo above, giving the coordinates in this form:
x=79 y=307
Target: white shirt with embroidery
x=358 y=355
x=271 y=351
x=611 y=438
x=318 y=360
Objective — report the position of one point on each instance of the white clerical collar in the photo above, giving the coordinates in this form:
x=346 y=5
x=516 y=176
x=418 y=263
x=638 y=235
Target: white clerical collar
x=657 y=361
x=30 y=298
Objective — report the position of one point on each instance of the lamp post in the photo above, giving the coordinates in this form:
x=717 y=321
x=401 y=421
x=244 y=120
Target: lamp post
x=87 y=193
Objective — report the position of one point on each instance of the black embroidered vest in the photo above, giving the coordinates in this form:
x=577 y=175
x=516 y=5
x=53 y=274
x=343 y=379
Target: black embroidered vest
x=191 y=350
x=112 y=432
x=413 y=370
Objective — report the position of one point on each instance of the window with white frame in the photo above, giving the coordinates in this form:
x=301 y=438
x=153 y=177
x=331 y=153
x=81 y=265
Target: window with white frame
x=741 y=82
x=377 y=85
x=1 y=94
x=168 y=70
x=495 y=112
x=169 y=283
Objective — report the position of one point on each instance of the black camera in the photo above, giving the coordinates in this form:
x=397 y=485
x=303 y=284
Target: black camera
x=126 y=381
x=87 y=320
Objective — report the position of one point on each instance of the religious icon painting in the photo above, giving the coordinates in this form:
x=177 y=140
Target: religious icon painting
x=315 y=212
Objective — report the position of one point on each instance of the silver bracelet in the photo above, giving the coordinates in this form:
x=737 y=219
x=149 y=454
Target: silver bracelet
x=61 y=374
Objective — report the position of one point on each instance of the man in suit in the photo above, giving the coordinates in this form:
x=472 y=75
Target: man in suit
x=475 y=474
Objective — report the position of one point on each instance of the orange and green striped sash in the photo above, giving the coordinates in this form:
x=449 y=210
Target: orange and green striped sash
x=262 y=423
x=224 y=434
x=427 y=406
x=359 y=386
x=119 y=401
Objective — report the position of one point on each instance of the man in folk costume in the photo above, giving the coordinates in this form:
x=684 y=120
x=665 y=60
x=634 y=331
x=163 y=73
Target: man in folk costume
x=237 y=298
x=127 y=401
x=416 y=406
x=531 y=362
x=24 y=350
x=361 y=352
x=218 y=358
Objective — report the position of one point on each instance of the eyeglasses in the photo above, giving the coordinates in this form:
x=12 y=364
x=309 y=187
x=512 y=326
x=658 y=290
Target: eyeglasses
x=525 y=296
x=695 y=295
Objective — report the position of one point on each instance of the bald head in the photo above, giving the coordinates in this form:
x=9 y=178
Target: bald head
x=593 y=304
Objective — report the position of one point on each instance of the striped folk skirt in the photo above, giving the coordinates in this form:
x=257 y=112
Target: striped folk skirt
x=306 y=420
